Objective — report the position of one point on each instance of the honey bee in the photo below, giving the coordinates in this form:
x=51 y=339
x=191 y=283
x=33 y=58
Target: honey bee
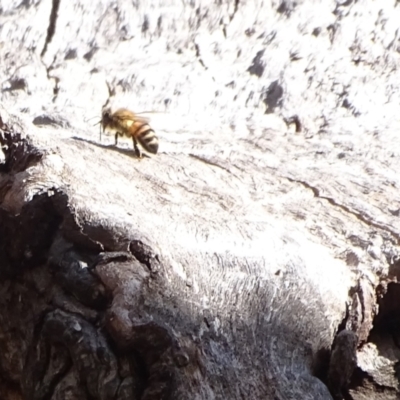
x=127 y=123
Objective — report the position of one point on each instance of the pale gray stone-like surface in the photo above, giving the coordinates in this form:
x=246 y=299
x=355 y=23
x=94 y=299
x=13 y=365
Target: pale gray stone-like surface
x=266 y=239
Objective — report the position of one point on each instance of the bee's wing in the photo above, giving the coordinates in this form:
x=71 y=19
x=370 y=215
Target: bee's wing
x=126 y=115
x=141 y=118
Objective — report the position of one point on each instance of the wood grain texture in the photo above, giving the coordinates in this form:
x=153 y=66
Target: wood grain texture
x=223 y=267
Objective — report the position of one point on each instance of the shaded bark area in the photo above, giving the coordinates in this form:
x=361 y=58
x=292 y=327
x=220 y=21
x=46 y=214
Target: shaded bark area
x=56 y=331
x=59 y=337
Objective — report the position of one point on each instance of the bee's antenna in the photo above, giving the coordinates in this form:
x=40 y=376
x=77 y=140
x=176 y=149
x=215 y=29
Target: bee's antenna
x=98 y=123
x=150 y=112
x=87 y=120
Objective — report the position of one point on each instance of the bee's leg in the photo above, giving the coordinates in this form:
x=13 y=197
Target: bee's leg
x=137 y=150
x=116 y=138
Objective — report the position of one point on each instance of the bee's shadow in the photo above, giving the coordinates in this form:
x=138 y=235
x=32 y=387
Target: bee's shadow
x=112 y=147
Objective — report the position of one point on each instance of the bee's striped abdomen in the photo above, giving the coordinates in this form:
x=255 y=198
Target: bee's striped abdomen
x=147 y=138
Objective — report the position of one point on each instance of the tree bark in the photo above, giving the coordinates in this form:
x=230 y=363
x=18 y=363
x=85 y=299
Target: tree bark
x=255 y=256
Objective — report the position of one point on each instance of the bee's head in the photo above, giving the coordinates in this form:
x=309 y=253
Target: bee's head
x=105 y=117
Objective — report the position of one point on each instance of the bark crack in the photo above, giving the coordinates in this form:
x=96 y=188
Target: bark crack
x=209 y=162
x=198 y=55
x=360 y=216
x=236 y=6
x=52 y=25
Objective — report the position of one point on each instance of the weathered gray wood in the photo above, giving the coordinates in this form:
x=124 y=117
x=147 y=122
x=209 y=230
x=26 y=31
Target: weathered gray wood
x=224 y=266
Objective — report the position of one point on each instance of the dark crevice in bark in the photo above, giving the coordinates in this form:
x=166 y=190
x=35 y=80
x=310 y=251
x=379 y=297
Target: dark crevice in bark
x=72 y=271
x=209 y=162
x=323 y=367
x=257 y=66
x=294 y=119
x=388 y=317
x=27 y=237
x=144 y=254
x=273 y=97
x=235 y=10
x=52 y=25
x=50 y=34
x=198 y=55
x=154 y=344
x=286 y=7
x=344 y=321
x=19 y=153
x=385 y=335
x=362 y=217
x=320 y=364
